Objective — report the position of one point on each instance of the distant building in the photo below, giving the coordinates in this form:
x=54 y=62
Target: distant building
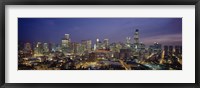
x=77 y=48
x=83 y=45
x=98 y=45
x=105 y=44
x=136 y=39
x=156 y=48
x=46 y=47
x=38 y=50
x=128 y=42
x=66 y=41
x=67 y=36
x=89 y=45
x=27 y=50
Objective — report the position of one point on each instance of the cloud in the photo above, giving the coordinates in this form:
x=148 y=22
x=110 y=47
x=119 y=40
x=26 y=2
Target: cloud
x=169 y=39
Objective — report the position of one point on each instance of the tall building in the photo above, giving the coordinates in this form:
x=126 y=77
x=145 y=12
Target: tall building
x=53 y=47
x=46 y=47
x=67 y=36
x=95 y=47
x=66 y=41
x=128 y=42
x=157 y=47
x=89 y=45
x=83 y=45
x=77 y=48
x=142 y=46
x=27 y=50
x=136 y=39
x=97 y=43
x=38 y=51
x=136 y=44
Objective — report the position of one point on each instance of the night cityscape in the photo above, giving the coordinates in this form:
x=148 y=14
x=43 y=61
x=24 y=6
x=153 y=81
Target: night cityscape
x=99 y=43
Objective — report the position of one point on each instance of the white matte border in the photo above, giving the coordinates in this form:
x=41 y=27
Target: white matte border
x=187 y=75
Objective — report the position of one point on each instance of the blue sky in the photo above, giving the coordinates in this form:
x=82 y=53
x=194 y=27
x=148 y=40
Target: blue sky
x=167 y=31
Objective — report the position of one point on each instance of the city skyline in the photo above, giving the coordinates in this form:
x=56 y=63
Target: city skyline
x=100 y=44
x=167 y=31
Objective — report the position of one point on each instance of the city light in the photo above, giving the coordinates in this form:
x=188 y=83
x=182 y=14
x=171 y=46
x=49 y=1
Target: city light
x=100 y=43
x=102 y=55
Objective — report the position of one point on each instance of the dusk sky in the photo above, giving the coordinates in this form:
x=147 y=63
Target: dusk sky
x=167 y=31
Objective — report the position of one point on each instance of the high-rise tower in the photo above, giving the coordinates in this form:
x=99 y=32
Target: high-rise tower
x=128 y=42
x=66 y=41
x=106 y=43
x=67 y=36
x=136 y=39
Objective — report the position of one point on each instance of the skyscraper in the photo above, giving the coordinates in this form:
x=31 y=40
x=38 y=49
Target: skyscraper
x=89 y=45
x=136 y=39
x=128 y=42
x=67 y=36
x=66 y=41
x=106 y=43
x=38 y=51
x=27 y=49
x=84 y=45
x=46 y=47
x=98 y=44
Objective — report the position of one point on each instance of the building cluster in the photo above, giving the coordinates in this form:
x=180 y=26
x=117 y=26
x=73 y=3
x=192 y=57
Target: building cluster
x=106 y=55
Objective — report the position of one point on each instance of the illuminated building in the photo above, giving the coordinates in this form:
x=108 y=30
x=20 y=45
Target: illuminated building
x=46 y=47
x=95 y=47
x=157 y=47
x=136 y=43
x=142 y=50
x=102 y=54
x=67 y=36
x=89 y=45
x=136 y=39
x=118 y=47
x=128 y=42
x=98 y=45
x=58 y=48
x=53 y=47
x=27 y=50
x=71 y=48
x=77 y=48
x=105 y=44
x=142 y=46
x=38 y=51
x=66 y=41
x=84 y=44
